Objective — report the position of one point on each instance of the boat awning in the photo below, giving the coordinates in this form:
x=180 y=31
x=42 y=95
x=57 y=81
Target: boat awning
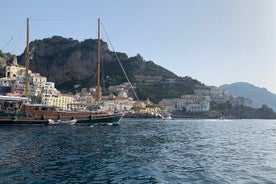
x=13 y=98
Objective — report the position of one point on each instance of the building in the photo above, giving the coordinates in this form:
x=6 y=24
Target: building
x=113 y=103
x=5 y=81
x=17 y=88
x=216 y=94
x=15 y=78
x=123 y=103
x=49 y=89
x=193 y=103
x=60 y=101
x=168 y=104
x=36 y=84
x=14 y=70
x=82 y=101
x=241 y=101
x=148 y=78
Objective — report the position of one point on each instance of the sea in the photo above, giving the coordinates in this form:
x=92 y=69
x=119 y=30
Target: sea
x=141 y=151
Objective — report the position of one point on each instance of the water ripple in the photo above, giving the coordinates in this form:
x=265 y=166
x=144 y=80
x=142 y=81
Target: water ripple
x=141 y=151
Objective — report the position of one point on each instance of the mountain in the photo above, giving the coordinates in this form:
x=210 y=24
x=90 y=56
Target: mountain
x=259 y=96
x=72 y=64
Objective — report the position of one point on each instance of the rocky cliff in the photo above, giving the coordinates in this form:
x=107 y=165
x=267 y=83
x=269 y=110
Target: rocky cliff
x=71 y=64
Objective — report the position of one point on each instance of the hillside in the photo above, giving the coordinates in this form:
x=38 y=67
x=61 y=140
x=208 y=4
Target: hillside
x=259 y=96
x=72 y=65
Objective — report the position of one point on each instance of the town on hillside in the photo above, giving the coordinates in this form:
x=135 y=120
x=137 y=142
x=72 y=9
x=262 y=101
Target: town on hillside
x=44 y=92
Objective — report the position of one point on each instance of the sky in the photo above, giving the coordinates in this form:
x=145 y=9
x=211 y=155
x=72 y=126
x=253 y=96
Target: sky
x=214 y=41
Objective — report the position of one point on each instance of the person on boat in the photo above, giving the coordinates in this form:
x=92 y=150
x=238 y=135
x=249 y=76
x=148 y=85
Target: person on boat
x=16 y=107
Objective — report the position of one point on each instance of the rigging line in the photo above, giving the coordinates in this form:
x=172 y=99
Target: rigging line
x=7 y=43
x=63 y=19
x=21 y=30
x=120 y=63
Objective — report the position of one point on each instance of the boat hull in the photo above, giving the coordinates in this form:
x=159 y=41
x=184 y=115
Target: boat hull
x=84 y=121
x=23 y=122
x=113 y=119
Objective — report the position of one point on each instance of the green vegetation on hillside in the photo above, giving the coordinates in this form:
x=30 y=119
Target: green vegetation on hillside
x=241 y=112
x=166 y=89
x=72 y=66
x=220 y=106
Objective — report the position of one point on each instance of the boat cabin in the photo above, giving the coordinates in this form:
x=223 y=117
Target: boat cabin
x=11 y=103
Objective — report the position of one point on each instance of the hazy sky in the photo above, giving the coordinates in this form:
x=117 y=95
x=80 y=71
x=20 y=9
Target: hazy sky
x=213 y=41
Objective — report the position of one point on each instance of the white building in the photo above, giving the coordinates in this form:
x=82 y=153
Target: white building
x=61 y=101
x=111 y=103
x=49 y=89
x=236 y=101
x=216 y=94
x=193 y=103
x=15 y=76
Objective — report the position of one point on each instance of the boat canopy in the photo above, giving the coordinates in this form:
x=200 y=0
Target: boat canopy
x=14 y=98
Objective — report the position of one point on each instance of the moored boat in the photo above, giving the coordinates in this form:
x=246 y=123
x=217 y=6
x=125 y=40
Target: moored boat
x=16 y=111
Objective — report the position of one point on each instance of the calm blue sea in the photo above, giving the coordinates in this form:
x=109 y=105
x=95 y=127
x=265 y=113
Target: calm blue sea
x=141 y=151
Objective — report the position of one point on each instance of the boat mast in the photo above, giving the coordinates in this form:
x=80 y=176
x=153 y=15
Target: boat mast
x=98 y=88
x=27 y=61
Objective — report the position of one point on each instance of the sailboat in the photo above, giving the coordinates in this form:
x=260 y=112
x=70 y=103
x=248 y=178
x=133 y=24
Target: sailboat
x=18 y=110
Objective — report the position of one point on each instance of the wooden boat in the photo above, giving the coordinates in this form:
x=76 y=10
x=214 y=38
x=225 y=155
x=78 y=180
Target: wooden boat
x=19 y=111
x=30 y=114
